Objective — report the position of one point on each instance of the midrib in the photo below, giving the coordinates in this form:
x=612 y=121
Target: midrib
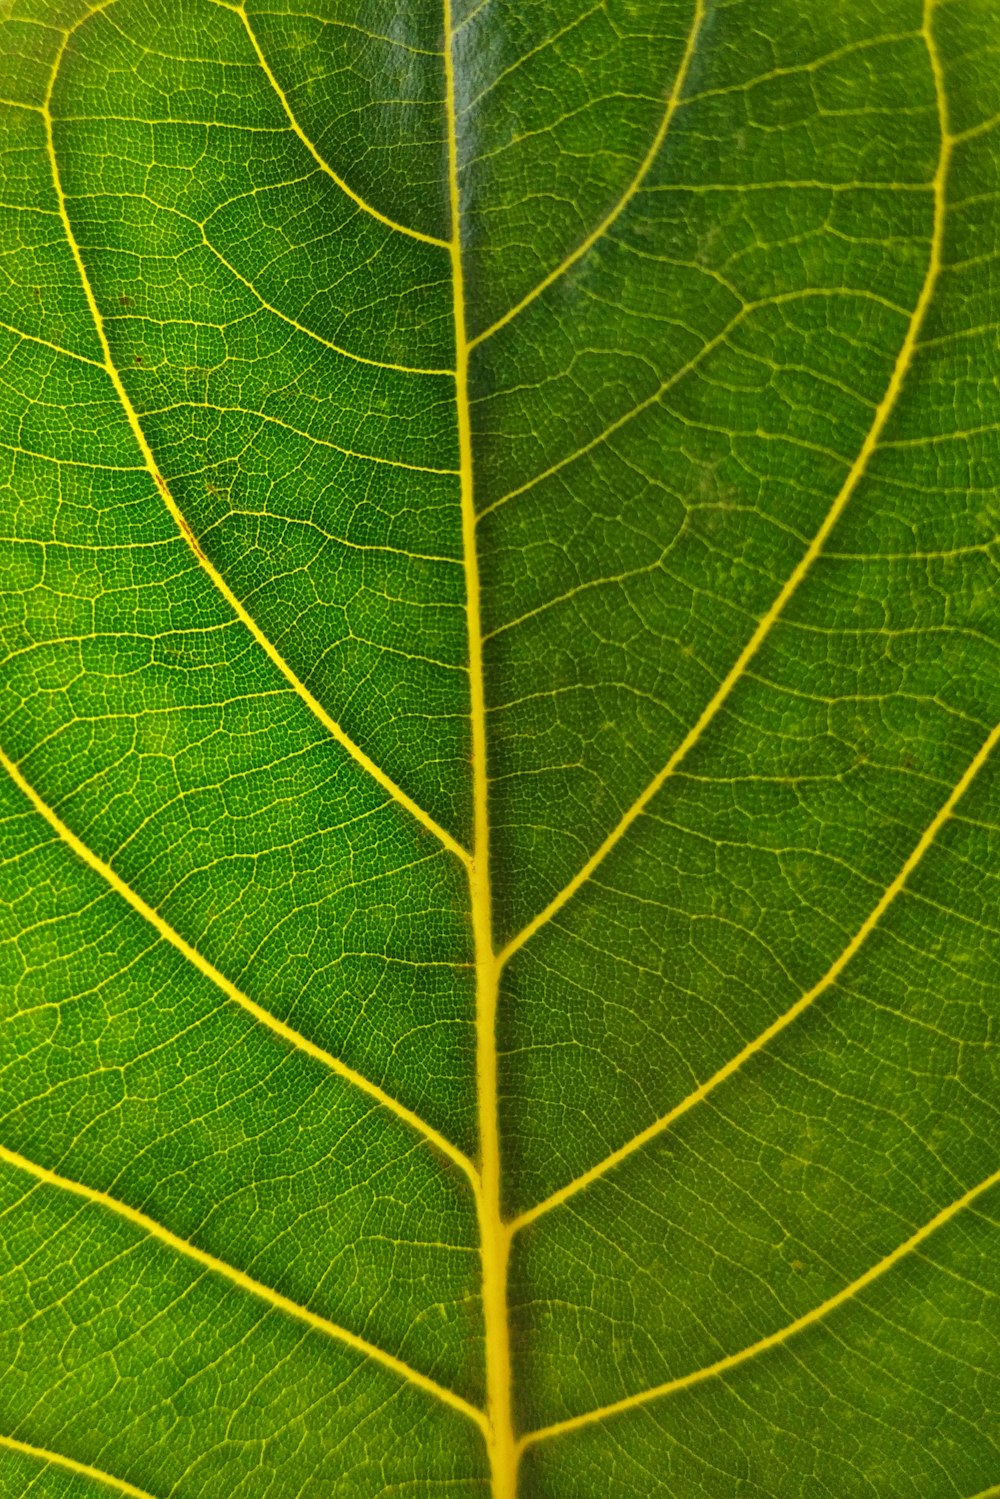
x=494 y=1233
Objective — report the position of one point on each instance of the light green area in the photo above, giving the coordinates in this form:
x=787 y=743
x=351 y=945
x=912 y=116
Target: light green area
x=792 y=306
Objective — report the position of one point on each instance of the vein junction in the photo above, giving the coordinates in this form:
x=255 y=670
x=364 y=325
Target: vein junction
x=230 y=990
x=239 y=1278
x=775 y=1340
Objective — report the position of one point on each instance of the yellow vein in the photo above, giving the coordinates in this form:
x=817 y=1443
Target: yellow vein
x=973 y=131
x=330 y=724
x=673 y=100
x=626 y=417
x=874 y=916
x=193 y=956
x=46 y=344
x=814 y=65
x=470 y=16
x=542 y=46
x=774 y=1340
x=809 y=556
x=245 y=1282
x=379 y=364
x=372 y=36
x=345 y=187
x=322 y=442
x=59 y=1460
x=98 y=468
x=494 y=1236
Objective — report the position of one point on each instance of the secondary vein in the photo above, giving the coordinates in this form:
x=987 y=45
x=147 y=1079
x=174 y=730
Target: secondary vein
x=60 y=1460
x=329 y=723
x=245 y=1282
x=197 y=960
x=857 y=471
x=345 y=187
x=836 y=968
x=378 y=364
x=670 y=109
x=773 y=1340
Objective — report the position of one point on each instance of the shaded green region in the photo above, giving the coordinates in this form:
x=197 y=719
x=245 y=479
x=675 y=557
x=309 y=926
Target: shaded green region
x=368 y=86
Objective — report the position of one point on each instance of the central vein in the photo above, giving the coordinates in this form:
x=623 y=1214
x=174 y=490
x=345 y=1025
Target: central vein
x=494 y=1233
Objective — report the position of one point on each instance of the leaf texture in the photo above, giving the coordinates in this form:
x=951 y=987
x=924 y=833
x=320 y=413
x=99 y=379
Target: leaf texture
x=501 y=680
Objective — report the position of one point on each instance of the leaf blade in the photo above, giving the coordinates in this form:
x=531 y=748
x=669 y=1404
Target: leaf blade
x=501 y=870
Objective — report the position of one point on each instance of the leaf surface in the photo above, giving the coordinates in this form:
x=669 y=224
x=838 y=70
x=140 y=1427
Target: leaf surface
x=498 y=717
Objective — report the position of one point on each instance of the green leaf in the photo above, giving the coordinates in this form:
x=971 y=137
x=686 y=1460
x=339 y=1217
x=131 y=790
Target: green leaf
x=500 y=805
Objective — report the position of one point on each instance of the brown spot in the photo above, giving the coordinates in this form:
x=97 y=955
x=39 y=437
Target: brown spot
x=126 y=301
x=190 y=535
x=138 y=359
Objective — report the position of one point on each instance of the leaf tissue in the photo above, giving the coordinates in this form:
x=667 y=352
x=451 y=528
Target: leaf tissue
x=500 y=797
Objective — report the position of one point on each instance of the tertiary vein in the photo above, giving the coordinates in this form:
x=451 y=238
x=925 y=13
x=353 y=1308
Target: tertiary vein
x=47 y=344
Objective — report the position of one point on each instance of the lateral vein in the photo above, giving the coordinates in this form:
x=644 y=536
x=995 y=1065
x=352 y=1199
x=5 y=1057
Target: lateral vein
x=773 y=1340
x=245 y=1282
x=321 y=162
x=378 y=364
x=47 y=344
x=630 y=415
x=857 y=470
x=197 y=960
x=920 y=848
x=672 y=102
x=330 y=724
x=59 y=1459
